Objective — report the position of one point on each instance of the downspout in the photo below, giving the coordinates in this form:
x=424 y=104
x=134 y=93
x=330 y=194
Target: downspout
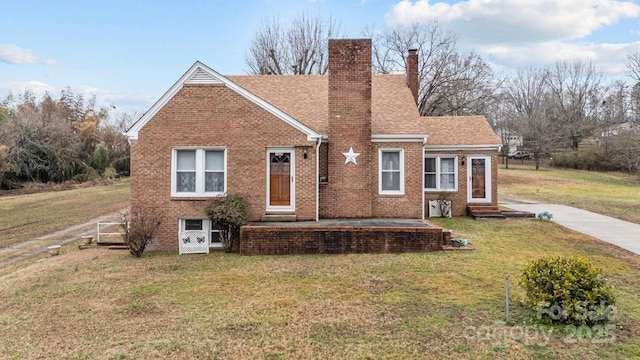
x=318 y=178
x=424 y=152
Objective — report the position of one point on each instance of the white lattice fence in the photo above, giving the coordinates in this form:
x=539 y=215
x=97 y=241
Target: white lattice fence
x=193 y=242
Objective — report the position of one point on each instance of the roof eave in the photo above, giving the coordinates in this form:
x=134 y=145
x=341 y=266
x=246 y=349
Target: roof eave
x=132 y=133
x=479 y=147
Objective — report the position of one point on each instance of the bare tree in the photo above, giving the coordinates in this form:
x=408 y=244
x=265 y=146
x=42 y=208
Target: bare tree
x=614 y=110
x=528 y=93
x=451 y=82
x=299 y=48
x=575 y=94
x=633 y=65
x=625 y=150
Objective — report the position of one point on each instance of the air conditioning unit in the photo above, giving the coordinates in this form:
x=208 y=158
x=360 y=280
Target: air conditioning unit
x=439 y=208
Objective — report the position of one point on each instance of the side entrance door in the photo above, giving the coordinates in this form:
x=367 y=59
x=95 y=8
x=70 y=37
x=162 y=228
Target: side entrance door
x=280 y=180
x=479 y=170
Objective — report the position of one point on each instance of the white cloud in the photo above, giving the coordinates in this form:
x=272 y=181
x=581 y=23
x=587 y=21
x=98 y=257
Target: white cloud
x=13 y=54
x=524 y=32
x=516 y=21
x=38 y=88
x=121 y=101
x=610 y=58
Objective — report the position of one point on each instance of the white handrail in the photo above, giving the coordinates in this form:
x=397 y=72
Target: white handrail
x=105 y=233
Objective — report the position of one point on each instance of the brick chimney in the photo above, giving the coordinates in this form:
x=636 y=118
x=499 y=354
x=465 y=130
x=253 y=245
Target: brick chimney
x=349 y=190
x=412 y=73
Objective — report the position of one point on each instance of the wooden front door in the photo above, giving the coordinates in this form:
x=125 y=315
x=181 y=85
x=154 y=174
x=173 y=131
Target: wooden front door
x=280 y=179
x=478 y=181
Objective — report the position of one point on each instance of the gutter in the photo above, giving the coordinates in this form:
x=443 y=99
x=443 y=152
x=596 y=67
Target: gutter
x=424 y=151
x=318 y=178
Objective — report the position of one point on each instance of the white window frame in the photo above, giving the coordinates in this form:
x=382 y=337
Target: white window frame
x=292 y=173
x=207 y=227
x=380 y=171
x=439 y=172
x=487 y=175
x=200 y=172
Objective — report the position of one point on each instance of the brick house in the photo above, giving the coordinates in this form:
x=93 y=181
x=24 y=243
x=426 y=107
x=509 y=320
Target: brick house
x=344 y=145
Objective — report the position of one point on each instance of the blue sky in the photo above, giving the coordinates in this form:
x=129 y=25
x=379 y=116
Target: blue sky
x=129 y=52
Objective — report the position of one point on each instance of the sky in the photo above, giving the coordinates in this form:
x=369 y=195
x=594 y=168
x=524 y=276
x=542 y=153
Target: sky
x=127 y=53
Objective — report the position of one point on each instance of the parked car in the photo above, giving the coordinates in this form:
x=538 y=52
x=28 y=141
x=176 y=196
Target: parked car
x=520 y=155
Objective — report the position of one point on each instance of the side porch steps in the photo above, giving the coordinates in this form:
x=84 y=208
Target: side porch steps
x=485 y=212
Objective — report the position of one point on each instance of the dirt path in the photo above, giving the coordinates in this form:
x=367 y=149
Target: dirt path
x=68 y=235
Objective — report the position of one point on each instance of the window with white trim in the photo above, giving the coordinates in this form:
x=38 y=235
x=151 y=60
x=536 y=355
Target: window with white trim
x=209 y=231
x=198 y=172
x=391 y=173
x=440 y=173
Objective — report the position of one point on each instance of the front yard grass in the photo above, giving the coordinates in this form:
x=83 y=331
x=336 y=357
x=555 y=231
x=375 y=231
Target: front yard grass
x=24 y=217
x=608 y=193
x=108 y=304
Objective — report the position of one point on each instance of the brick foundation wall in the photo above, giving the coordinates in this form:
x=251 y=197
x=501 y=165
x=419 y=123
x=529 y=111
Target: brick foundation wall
x=267 y=240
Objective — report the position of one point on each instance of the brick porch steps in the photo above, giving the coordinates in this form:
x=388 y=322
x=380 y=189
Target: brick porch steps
x=485 y=212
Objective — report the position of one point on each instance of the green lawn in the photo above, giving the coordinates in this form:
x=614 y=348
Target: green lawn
x=613 y=194
x=442 y=305
x=24 y=217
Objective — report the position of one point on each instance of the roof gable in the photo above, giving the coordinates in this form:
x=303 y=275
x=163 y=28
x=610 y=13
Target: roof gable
x=202 y=74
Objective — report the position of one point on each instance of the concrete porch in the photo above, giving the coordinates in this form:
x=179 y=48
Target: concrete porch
x=342 y=236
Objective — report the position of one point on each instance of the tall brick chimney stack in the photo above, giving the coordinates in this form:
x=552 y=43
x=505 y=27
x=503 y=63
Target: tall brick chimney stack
x=350 y=127
x=412 y=73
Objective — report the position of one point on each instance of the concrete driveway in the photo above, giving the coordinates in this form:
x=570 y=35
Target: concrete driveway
x=617 y=232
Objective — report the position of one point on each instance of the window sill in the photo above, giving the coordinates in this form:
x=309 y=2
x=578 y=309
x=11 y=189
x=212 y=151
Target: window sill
x=190 y=198
x=391 y=194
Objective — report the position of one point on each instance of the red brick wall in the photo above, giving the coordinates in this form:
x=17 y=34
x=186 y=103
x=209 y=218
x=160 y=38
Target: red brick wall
x=347 y=195
x=459 y=197
x=267 y=240
x=412 y=74
x=213 y=115
x=406 y=206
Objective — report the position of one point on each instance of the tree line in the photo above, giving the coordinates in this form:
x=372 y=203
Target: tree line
x=568 y=109
x=60 y=139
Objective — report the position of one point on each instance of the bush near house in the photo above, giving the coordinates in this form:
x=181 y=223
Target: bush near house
x=568 y=290
x=139 y=229
x=228 y=213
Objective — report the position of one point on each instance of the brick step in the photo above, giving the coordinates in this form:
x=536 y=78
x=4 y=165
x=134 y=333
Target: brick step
x=485 y=212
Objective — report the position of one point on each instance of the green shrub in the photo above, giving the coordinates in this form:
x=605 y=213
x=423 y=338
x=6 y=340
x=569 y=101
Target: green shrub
x=80 y=178
x=229 y=212
x=109 y=173
x=567 y=290
x=92 y=174
x=100 y=158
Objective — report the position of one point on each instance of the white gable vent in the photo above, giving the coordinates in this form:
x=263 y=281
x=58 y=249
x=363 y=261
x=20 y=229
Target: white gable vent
x=202 y=77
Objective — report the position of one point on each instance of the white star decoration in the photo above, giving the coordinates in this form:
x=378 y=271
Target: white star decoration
x=350 y=156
